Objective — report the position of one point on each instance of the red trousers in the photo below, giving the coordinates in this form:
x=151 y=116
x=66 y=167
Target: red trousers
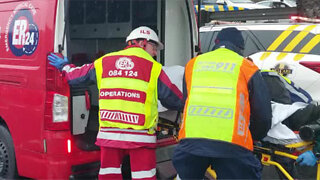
x=142 y=160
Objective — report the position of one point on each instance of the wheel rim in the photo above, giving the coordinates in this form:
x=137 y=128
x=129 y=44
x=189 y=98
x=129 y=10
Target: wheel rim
x=4 y=160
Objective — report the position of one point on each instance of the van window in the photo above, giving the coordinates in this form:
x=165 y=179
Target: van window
x=147 y=17
x=266 y=3
x=95 y=12
x=251 y=47
x=279 y=5
x=118 y=11
x=76 y=13
x=207 y=40
x=97 y=27
x=266 y=38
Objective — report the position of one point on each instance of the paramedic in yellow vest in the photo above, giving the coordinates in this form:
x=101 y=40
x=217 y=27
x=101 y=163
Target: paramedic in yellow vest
x=130 y=82
x=227 y=107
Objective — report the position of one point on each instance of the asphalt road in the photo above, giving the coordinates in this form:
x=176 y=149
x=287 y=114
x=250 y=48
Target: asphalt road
x=269 y=172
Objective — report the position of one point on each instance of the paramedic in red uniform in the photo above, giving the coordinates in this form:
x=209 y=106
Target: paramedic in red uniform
x=130 y=82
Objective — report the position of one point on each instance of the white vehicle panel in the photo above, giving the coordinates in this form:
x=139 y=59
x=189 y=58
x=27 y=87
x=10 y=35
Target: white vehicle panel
x=291 y=36
x=301 y=76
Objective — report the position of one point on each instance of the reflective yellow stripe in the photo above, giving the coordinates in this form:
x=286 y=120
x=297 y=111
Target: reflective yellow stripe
x=217 y=8
x=281 y=38
x=278 y=41
x=308 y=47
x=281 y=56
x=207 y=8
x=116 y=104
x=298 y=57
x=311 y=44
x=285 y=78
x=296 y=40
x=210 y=9
x=265 y=55
x=220 y=8
x=98 y=68
x=151 y=93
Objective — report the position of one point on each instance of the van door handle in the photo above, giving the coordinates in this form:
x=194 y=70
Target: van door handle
x=88 y=105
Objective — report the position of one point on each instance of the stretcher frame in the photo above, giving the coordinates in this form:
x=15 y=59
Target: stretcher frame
x=267 y=153
x=266 y=160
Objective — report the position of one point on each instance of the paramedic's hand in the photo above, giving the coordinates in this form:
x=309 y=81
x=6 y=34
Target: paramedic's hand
x=307 y=159
x=57 y=61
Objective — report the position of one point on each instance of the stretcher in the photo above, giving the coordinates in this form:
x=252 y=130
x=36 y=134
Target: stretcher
x=267 y=152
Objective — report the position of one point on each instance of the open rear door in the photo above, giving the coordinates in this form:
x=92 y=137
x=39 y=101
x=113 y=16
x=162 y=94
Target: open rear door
x=181 y=33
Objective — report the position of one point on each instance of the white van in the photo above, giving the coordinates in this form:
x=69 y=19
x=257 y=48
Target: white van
x=247 y=4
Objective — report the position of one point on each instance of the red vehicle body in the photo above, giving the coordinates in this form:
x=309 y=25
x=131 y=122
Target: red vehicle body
x=27 y=86
x=47 y=130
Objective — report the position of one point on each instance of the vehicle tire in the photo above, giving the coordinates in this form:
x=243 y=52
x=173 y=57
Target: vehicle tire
x=8 y=168
x=309 y=8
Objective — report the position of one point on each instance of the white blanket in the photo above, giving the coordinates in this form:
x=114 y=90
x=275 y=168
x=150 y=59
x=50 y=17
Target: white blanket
x=279 y=131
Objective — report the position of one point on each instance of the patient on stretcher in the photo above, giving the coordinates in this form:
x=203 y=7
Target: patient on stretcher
x=292 y=108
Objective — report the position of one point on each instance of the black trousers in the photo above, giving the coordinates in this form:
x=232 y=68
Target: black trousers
x=190 y=166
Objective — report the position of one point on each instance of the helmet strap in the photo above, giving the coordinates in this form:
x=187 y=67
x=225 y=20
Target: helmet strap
x=145 y=44
x=136 y=43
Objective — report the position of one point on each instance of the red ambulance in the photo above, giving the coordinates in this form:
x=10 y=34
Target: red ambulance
x=47 y=129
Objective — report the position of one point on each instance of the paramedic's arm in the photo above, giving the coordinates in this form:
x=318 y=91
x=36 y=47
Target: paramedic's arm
x=301 y=95
x=83 y=75
x=260 y=107
x=184 y=89
x=169 y=94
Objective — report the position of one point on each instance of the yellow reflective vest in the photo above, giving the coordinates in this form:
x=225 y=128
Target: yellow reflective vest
x=127 y=84
x=218 y=106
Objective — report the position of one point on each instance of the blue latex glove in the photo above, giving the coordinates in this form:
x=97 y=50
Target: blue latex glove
x=57 y=61
x=307 y=159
